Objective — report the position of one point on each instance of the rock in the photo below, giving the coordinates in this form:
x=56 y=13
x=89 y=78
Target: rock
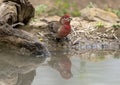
x=96 y=14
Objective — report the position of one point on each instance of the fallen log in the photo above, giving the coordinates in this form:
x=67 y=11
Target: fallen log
x=13 y=12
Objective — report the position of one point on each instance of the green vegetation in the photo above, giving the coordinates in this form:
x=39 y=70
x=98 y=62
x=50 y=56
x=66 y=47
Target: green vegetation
x=99 y=24
x=64 y=6
x=60 y=8
x=117 y=25
x=91 y=5
x=117 y=12
x=40 y=9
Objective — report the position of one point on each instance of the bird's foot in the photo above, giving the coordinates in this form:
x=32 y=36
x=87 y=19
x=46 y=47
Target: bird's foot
x=58 y=39
x=66 y=39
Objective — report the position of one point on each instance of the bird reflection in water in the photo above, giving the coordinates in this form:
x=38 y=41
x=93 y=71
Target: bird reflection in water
x=62 y=64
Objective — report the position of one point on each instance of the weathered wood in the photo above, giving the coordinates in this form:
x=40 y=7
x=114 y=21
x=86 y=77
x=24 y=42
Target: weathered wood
x=13 y=12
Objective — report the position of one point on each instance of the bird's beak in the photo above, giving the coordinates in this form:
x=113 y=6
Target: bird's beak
x=70 y=18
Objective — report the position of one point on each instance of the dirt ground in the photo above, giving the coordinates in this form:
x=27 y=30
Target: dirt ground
x=83 y=3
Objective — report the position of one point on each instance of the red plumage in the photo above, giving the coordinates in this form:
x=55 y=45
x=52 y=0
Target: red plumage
x=60 y=28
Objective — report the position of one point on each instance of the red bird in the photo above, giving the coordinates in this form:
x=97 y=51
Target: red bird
x=60 y=28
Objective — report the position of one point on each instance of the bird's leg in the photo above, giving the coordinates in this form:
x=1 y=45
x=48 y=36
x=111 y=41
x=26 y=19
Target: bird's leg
x=66 y=39
x=62 y=39
x=58 y=39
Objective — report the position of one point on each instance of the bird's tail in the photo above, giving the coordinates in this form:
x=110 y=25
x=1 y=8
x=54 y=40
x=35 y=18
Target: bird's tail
x=44 y=20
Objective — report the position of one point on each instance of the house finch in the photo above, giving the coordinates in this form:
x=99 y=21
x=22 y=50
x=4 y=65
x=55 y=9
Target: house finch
x=62 y=64
x=60 y=28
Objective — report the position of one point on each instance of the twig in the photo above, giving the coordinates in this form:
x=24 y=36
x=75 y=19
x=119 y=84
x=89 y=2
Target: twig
x=116 y=37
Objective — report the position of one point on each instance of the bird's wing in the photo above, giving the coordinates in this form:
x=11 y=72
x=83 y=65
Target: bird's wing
x=54 y=26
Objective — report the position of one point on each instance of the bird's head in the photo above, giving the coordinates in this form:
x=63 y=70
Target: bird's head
x=65 y=19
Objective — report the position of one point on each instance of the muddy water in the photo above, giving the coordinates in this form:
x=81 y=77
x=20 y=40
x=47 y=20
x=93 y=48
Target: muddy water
x=64 y=67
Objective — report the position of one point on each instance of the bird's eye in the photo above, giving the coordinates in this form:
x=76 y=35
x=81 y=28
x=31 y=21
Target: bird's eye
x=66 y=19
